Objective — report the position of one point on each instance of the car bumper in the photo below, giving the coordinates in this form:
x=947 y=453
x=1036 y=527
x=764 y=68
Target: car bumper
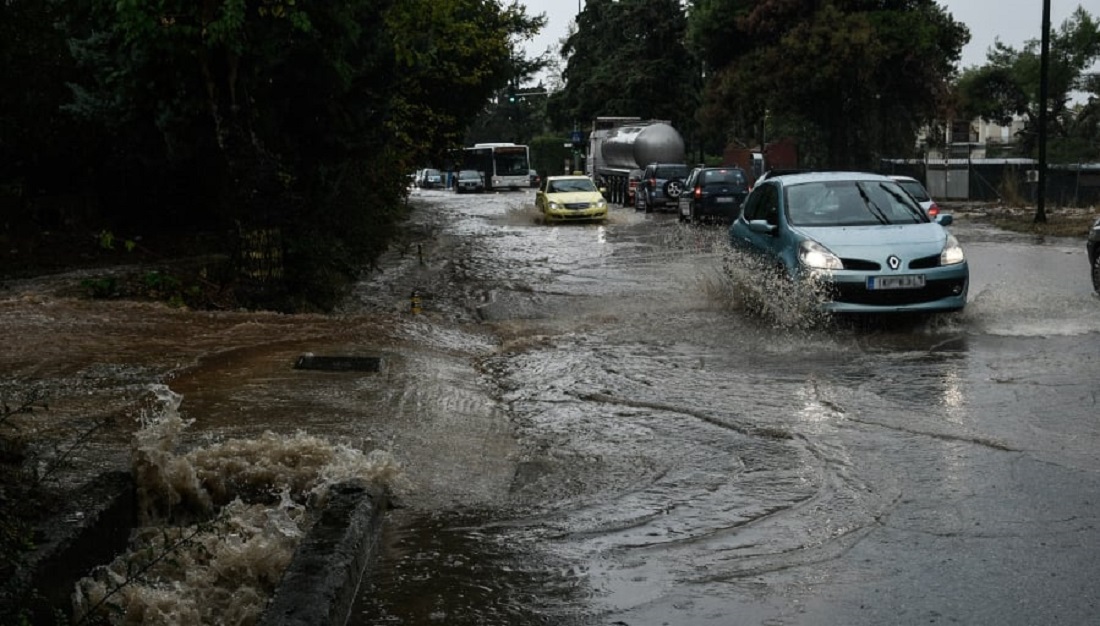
x=576 y=215
x=945 y=289
x=725 y=211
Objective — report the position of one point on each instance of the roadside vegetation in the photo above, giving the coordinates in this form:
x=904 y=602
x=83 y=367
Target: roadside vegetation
x=1061 y=221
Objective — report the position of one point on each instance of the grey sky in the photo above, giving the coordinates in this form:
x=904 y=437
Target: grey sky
x=1013 y=21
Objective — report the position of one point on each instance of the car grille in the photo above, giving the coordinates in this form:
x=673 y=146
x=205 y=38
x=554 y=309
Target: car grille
x=925 y=263
x=932 y=291
x=922 y=263
x=577 y=206
x=860 y=264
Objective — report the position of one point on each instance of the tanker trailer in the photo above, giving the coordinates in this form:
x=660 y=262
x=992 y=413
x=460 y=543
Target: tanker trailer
x=619 y=146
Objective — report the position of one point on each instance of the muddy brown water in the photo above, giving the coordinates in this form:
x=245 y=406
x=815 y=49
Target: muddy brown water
x=604 y=424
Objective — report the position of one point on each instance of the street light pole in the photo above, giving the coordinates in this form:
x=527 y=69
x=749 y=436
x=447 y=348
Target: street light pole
x=1044 y=75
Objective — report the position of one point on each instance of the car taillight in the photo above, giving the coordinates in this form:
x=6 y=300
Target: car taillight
x=698 y=192
x=653 y=183
x=933 y=210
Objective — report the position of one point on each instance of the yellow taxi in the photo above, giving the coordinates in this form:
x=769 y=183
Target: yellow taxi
x=570 y=198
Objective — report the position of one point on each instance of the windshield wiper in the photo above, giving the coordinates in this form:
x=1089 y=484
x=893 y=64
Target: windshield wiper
x=871 y=206
x=917 y=211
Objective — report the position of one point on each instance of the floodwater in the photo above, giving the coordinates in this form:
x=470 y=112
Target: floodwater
x=615 y=424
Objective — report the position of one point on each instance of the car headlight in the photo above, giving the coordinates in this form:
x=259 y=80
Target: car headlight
x=816 y=256
x=554 y=205
x=601 y=204
x=952 y=252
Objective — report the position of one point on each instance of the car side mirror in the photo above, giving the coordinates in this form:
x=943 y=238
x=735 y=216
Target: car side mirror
x=763 y=227
x=944 y=219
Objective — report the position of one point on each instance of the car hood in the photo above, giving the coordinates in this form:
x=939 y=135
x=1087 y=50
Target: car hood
x=907 y=240
x=572 y=197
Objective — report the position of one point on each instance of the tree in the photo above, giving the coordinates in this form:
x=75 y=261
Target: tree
x=863 y=75
x=301 y=118
x=627 y=58
x=1008 y=85
x=41 y=147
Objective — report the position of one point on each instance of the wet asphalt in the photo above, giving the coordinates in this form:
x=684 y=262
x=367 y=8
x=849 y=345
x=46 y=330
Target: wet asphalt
x=652 y=447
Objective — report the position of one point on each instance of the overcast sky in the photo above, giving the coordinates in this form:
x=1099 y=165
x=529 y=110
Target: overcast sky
x=1013 y=21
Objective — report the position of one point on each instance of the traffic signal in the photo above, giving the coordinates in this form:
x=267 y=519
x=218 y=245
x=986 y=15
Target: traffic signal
x=511 y=96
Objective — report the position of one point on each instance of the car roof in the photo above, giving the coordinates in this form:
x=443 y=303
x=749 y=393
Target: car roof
x=814 y=177
x=909 y=179
x=567 y=177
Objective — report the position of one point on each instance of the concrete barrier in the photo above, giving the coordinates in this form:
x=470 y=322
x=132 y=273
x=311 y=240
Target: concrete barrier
x=94 y=528
x=320 y=585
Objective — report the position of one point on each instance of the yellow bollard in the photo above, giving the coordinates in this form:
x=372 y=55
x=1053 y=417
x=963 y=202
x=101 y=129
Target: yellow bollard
x=414 y=301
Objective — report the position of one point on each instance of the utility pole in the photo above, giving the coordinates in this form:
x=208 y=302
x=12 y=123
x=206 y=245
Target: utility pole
x=1044 y=76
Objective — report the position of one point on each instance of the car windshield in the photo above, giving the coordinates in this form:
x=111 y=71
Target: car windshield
x=915 y=189
x=850 y=203
x=468 y=175
x=571 y=184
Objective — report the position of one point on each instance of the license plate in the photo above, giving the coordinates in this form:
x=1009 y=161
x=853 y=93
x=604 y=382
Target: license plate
x=724 y=200
x=905 y=281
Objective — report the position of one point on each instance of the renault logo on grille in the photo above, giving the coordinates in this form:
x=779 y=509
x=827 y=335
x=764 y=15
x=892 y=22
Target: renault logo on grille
x=893 y=261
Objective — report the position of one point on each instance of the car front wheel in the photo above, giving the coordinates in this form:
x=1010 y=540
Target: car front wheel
x=1096 y=274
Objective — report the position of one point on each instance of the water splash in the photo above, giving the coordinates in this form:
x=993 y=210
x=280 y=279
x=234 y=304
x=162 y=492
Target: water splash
x=746 y=283
x=220 y=523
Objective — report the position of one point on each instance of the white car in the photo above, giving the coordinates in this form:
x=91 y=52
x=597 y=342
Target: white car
x=913 y=187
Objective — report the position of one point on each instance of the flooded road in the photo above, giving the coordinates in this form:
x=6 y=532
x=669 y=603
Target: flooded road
x=682 y=460
x=609 y=424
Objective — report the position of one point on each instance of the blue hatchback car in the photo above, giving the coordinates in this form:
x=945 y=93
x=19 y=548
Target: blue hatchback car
x=861 y=235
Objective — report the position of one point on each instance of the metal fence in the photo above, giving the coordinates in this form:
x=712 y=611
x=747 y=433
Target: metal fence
x=1006 y=180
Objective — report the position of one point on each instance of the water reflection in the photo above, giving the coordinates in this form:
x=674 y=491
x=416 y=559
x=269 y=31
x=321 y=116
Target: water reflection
x=461 y=568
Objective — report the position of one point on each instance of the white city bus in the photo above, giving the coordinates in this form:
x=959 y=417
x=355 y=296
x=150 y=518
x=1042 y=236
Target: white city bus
x=502 y=165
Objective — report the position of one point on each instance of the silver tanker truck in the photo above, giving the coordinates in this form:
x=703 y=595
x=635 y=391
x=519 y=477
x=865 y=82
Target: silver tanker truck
x=620 y=146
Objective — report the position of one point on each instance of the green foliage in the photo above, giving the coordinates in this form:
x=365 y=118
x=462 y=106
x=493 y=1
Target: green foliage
x=863 y=75
x=101 y=287
x=303 y=117
x=548 y=154
x=628 y=58
x=1008 y=85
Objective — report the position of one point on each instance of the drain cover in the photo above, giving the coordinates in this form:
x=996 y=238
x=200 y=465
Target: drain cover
x=339 y=363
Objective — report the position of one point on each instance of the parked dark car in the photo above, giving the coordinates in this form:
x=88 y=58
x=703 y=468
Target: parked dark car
x=469 y=181
x=713 y=194
x=1093 y=246
x=660 y=186
x=533 y=179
